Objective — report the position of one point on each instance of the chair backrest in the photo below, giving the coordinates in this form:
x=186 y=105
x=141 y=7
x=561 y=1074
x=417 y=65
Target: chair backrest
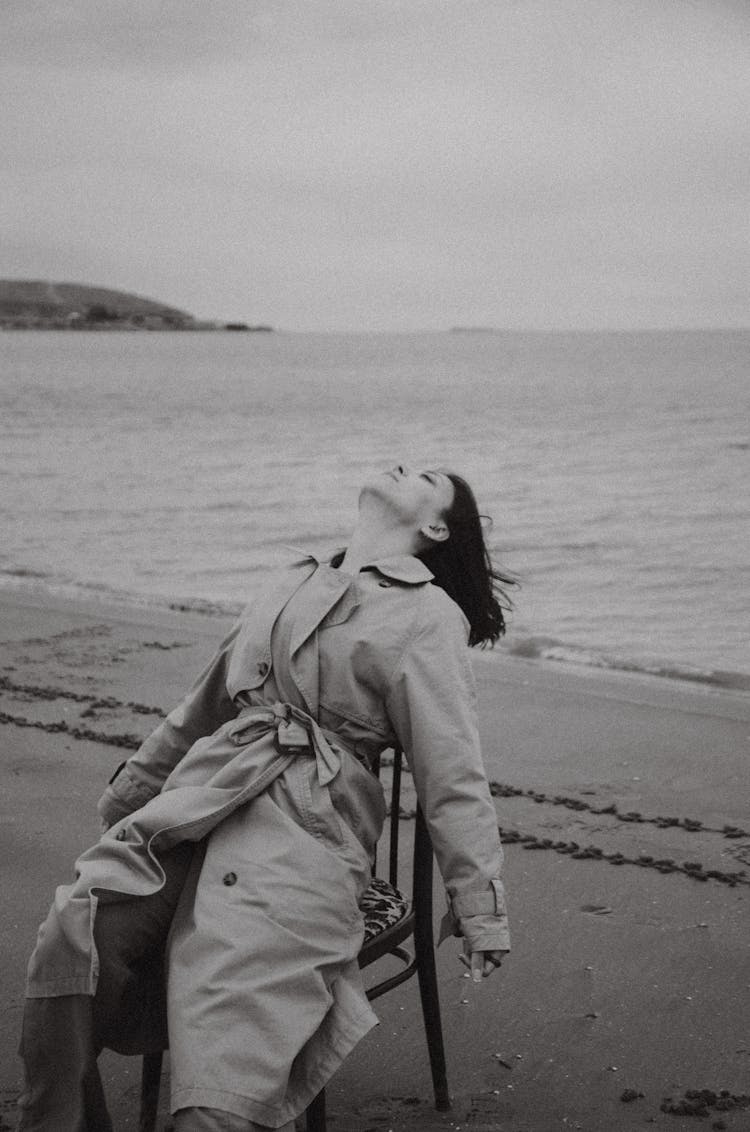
x=422 y=844
x=418 y=920
x=422 y=856
x=394 y=812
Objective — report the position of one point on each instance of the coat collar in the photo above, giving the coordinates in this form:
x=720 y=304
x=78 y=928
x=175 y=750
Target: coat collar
x=401 y=568
x=404 y=568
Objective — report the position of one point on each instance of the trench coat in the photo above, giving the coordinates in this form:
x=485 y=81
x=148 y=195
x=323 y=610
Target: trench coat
x=265 y=763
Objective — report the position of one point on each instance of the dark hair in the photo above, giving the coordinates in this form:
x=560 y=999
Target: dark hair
x=463 y=568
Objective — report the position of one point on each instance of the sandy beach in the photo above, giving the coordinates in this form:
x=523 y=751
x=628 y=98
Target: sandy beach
x=624 y=805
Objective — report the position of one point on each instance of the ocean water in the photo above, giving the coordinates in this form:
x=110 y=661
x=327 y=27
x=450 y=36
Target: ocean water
x=174 y=467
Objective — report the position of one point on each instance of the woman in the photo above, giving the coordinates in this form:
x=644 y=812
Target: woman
x=247 y=822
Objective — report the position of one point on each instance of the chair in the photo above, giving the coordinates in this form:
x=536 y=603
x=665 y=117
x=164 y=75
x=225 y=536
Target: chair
x=390 y=920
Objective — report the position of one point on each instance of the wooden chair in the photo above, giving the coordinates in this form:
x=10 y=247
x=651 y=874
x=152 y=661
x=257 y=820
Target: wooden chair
x=414 y=919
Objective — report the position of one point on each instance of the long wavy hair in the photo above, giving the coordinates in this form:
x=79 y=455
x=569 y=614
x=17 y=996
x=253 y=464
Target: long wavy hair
x=463 y=568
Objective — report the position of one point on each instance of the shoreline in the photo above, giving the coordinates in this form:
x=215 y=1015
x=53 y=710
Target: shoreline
x=623 y=976
x=28 y=589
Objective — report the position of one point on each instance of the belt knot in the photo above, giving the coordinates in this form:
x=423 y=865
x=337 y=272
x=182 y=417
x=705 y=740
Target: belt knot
x=297 y=733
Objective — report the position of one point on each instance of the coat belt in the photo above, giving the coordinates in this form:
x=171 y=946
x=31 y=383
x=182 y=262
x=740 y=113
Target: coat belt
x=297 y=733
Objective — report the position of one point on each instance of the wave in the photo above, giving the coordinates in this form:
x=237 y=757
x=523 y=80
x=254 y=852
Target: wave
x=548 y=648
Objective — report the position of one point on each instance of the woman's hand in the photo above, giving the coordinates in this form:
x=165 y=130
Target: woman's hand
x=481 y=963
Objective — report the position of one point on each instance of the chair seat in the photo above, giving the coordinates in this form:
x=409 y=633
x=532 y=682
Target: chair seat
x=382 y=906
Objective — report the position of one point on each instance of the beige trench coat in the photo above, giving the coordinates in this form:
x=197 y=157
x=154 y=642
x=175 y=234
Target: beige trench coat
x=364 y=663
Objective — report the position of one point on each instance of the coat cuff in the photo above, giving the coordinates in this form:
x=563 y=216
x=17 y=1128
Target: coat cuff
x=480 y=918
x=123 y=795
x=487 y=903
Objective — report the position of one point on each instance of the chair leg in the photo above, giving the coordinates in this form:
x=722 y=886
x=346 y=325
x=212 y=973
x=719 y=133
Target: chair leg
x=150 y=1084
x=424 y=950
x=428 y=991
x=315 y=1118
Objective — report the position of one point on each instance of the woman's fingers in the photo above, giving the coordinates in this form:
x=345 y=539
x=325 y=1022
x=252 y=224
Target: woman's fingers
x=489 y=967
x=481 y=963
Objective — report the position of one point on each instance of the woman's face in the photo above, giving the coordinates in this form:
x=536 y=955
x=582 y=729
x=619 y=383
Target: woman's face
x=417 y=497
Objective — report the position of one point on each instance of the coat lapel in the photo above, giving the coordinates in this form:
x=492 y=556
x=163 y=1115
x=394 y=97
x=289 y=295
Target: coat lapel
x=323 y=597
x=332 y=600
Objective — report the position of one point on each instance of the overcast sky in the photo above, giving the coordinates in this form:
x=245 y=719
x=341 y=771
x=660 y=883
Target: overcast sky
x=386 y=164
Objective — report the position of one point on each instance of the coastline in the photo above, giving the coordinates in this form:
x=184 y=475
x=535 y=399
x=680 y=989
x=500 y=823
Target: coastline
x=29 y=587
x=624 y=975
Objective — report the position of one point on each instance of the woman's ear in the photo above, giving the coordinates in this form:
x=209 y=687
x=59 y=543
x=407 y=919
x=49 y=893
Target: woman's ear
x=435 y=532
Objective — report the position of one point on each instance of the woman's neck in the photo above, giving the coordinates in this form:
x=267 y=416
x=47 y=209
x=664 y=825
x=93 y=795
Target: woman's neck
x=371 y=542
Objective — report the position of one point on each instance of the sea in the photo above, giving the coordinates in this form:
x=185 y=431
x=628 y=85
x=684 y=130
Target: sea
x=175 y=468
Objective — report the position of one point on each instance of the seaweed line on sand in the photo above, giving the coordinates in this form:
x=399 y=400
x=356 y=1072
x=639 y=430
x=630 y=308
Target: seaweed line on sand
x=130 y=742
x=700 y=1102
x=80 y=633
x=661 y=821
x=45 y=692
x=690 y=825
x=693 y=869
x=497 y=789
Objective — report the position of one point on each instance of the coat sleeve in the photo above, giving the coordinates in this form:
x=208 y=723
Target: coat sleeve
x=431 y=703
x=204 y=709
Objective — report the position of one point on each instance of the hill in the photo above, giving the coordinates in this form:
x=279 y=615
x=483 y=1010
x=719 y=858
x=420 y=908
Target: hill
x=36 y=304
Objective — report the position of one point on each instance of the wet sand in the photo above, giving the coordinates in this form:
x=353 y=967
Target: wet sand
x=624 y=805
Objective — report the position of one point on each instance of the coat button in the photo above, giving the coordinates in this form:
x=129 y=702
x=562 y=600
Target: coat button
x=230 y=879
x=263 y=668
x=121 y=835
